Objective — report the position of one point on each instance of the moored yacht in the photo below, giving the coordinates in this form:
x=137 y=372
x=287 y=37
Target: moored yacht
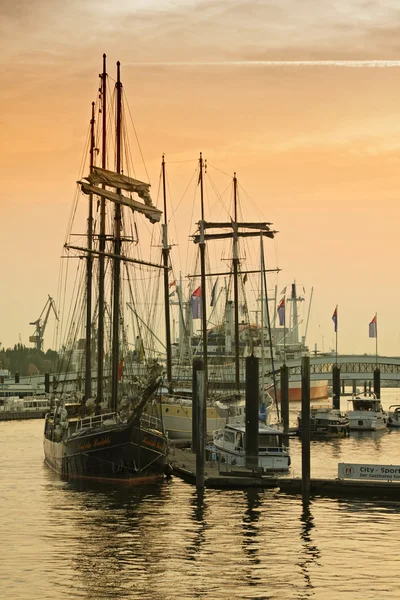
x=367 y=414
x=327 y=422
x=394 y=415
x=230 y=444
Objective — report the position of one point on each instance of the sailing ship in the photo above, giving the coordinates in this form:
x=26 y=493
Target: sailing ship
x=225 y=398
x=115 y=434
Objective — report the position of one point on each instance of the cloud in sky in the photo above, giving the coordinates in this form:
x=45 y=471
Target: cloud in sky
x=44 y=31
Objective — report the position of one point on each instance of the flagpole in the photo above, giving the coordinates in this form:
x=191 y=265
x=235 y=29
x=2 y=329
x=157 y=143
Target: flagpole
x=376 y=339
x=284 y=332
x=336 y=331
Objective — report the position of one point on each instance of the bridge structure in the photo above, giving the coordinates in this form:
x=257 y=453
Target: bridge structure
x=353 y=368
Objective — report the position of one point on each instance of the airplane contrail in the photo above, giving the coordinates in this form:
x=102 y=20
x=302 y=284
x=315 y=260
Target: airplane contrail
x=372 y=64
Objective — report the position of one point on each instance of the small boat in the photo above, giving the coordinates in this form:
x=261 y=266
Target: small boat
x=367 y=414
x=394 y=415
x=327 y=422
x=230 y=445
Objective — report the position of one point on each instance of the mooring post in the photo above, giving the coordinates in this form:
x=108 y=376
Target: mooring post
x=252 y=408
x=336 y=386
x=377 y=382
x=369 y=388
x=47 y=383
x=196 y=366
x=200 y=454
x=285 y=398
x=305 y=425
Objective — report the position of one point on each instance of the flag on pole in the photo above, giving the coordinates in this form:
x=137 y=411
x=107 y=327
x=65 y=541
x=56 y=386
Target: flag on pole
x=335 y=318
x=281 y=312
x=196 y=303
x=373 y=328
x=244 y=278
x=120 y=369
x=213 y=292
x=172 y=283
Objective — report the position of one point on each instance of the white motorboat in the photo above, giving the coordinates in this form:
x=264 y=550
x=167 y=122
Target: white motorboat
x=394 y=415
x=230 y=445
x=326 y=422
x=367 y=414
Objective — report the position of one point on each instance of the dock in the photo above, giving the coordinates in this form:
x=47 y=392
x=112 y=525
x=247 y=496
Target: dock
x=19 y=415
x=183 y=461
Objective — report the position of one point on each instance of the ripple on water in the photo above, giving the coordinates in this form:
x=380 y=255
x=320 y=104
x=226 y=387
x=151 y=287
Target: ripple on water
x=163 y=542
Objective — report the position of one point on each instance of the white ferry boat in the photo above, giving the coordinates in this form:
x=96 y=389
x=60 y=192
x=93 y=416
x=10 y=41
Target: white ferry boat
x=16 y=408
x=367 y=414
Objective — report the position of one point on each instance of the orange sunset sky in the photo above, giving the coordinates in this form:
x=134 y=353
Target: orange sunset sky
x=301 y=98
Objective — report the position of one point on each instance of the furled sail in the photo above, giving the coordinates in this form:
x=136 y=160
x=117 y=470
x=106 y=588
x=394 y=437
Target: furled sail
x=151 y=212
x=118 y=180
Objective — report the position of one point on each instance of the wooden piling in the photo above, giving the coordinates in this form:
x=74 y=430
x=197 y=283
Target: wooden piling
x=284 y=380
x=200 y=453
x=196 y=366
x=336 y=386
x=252 y=408
x=305 y=425
x=47 y=382
x=377 y=382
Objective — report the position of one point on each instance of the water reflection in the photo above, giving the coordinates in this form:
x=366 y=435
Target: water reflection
x=311 y=553
x=250 y=525
x=107 y=528
x=198 y=506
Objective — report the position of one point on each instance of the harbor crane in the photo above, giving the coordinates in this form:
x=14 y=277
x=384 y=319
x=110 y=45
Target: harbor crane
x=37 y=337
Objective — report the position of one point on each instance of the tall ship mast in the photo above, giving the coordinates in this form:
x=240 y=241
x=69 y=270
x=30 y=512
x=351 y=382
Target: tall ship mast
x=113 y=431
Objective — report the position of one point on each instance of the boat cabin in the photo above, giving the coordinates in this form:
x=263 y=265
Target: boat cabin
x=235 y=436
x=366 y=404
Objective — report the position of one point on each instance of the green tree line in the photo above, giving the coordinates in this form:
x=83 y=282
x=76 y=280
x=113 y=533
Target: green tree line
x=28 y=361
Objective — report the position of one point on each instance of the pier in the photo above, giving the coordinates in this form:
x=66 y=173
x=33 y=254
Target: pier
x=22 y=415
x=184 y=466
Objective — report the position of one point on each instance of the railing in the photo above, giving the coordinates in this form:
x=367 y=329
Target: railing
x=151 y=421
x=96 y=421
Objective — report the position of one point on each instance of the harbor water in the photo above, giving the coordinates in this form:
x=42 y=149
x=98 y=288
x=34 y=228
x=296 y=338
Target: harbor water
x=164 y=542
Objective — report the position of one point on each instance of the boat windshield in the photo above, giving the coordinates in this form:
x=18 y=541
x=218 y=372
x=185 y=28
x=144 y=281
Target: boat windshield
x=363 y=404
x=269 y=440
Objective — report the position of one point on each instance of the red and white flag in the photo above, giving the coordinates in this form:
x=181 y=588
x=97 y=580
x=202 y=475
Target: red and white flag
x=281 y=312
x=373 y=328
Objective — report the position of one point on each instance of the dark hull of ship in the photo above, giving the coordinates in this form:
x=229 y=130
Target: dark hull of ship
x=124 y=454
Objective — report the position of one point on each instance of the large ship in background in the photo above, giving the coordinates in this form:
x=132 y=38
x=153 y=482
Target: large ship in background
x=288 y=344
